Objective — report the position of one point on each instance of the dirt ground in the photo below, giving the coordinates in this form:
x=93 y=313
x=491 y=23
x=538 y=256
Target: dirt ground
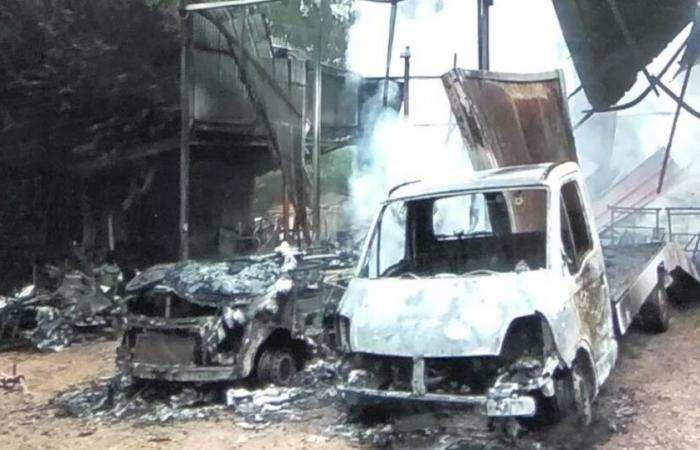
x=661 y=373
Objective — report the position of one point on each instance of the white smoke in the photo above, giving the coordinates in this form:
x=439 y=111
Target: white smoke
x=427 y=145
x=525 y=37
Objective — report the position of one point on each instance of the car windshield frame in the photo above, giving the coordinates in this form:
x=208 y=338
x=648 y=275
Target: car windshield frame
x=363 y=268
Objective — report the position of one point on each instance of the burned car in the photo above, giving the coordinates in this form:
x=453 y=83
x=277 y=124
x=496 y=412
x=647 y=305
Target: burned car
x=224 y=321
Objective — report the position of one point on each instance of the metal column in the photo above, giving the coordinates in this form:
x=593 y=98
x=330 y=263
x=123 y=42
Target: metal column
x=318 y=88
x=671 y=137
x=185 y=31
x=392 y=27
x=406 y=55
x=483 y=30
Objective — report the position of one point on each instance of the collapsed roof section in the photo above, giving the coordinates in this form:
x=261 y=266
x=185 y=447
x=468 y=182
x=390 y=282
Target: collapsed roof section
x=607 y=59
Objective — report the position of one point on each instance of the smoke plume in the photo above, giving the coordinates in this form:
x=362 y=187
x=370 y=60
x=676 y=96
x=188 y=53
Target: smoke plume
x=525 y=37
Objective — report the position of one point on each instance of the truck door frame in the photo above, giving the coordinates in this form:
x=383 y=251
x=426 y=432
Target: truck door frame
x=588 y=277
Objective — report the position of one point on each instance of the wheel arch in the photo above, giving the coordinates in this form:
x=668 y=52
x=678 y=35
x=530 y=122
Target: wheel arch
x=584 y=361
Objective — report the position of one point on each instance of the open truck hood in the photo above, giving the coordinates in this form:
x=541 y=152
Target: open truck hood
x=511 y=119
x=448 y=317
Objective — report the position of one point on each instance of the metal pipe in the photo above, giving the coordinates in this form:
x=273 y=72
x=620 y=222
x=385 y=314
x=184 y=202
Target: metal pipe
x=216 y=5
x=679 y=106
x=680 y=101
x=392 y=27
x=576 y=91
x=110 y=230
x=185 y=24
x=483 y=30
x=406 y=55
x=318 y=92
x=300 y=173
x=285 y=209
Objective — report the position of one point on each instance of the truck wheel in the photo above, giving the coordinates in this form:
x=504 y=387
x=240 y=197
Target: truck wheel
x=654 y=314
x=276 y=366
x=572 y=400
x=583 y=409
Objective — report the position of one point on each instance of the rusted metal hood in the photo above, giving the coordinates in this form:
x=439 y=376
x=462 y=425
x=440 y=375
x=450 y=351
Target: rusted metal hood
x=511 y=119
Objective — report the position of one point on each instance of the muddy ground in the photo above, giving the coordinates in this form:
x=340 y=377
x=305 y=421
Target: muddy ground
x=650 y=402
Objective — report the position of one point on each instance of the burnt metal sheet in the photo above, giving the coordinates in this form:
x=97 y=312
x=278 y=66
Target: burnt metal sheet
x=607 y=66
x=511 y=119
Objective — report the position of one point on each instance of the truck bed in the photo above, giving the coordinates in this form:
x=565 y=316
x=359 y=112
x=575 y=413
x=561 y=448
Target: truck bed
x=633 y=274
x=626 y=263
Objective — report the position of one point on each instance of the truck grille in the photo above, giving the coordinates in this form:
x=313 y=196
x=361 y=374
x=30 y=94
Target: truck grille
x=168 y=305
x=165 y=349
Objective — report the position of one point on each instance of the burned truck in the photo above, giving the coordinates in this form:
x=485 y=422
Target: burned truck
x=492 y=289
x=256 y=316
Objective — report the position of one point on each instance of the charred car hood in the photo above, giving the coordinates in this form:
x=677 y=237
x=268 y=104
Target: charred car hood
x=455 y=316
x=210 y=283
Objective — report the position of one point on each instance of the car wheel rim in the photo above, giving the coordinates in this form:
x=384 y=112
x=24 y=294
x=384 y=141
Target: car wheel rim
x=285 y=370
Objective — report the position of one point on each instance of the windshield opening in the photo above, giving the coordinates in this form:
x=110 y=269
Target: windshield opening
x=460 y=234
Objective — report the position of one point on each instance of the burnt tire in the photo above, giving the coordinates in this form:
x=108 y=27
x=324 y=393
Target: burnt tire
x=654 y=315
x=276 y=366
x=572 y=401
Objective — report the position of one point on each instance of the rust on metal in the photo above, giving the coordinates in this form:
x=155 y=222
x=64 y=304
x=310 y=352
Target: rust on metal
x=513 y=119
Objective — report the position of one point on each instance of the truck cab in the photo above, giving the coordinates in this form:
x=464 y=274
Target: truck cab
x=488 y=291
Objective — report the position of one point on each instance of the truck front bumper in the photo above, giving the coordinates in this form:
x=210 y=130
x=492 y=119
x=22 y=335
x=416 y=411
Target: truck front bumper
x=201 y=374
x=514 y=405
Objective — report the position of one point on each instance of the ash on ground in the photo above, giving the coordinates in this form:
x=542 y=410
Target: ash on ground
x=313 y=390
x=313 y=397
x=106 y=400
x=113 y=399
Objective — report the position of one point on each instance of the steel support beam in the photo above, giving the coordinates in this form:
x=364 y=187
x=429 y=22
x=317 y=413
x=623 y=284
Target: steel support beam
x=483 y=30
x=406 y=55
x=217 y=5
x=318 y=94
x=390 y=46
x=671 y=137
x=185 y=34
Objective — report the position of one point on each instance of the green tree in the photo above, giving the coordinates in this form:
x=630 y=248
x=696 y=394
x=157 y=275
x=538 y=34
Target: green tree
x=82 y=77
x=295 y=23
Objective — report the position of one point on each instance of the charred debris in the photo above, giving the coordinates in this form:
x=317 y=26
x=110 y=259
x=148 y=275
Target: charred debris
x=203 y=299
x=62 y=308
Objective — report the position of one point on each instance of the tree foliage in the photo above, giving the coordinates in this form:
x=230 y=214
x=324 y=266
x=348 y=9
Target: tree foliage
x=296 y=23
x=81 y=76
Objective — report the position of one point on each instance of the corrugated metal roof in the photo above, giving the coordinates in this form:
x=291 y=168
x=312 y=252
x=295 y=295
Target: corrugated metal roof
x=605 y=63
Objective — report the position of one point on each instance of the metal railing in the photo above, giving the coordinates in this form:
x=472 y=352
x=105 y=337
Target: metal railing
x=689 y=240
x=639 y=225
x=634 y=225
